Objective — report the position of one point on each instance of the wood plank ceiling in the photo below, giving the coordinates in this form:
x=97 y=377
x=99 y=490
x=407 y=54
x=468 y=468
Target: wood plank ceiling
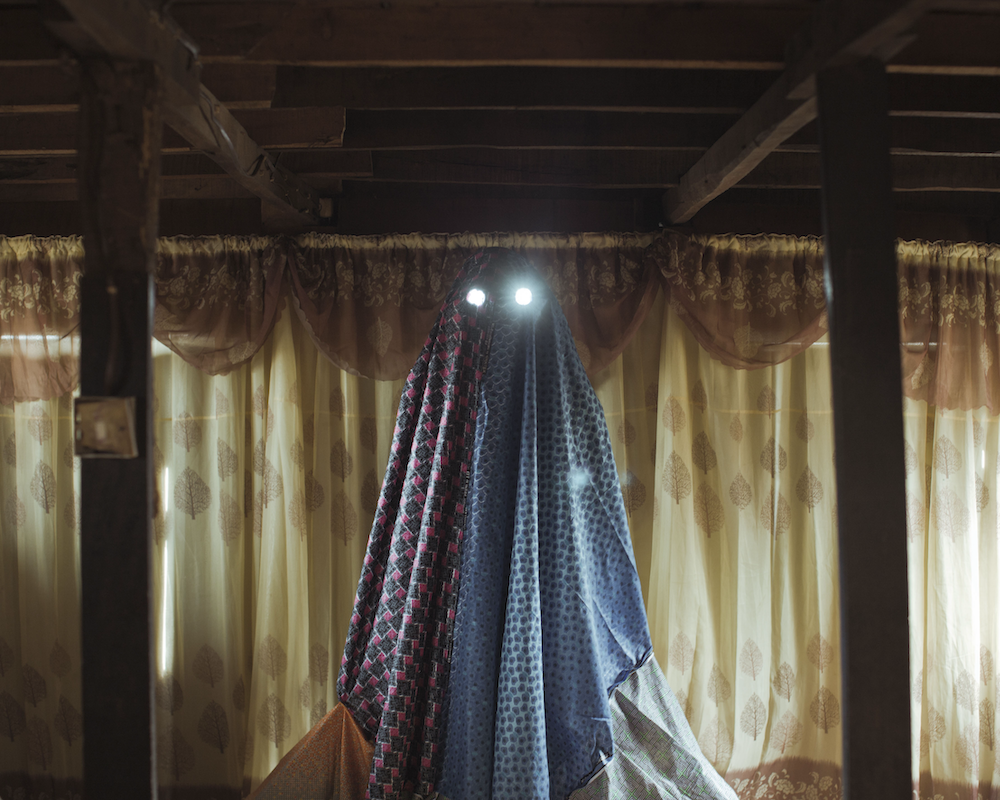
x=432 y=116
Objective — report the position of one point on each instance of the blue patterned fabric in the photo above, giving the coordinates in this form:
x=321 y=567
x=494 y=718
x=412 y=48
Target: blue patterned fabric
x=656 y=754
x=394 y=674
x=550 y=616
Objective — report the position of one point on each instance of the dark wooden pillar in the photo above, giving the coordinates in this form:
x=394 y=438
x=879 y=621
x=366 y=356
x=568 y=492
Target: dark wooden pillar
x=118 y=180
x=868 y=429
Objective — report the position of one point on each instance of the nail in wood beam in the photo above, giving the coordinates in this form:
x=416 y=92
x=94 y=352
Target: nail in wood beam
x=120 y=130
x=861 y=291
x=842 y=31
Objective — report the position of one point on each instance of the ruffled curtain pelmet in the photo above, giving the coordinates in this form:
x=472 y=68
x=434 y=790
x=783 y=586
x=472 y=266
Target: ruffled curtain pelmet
x=368 y=302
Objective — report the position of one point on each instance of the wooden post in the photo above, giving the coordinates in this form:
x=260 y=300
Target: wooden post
x=119 y=174
x=861 y=290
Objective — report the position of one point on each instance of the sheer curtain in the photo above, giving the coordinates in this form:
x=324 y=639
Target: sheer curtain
x=728 y=477
x=267 y=477
x=952 y=486
x=267 y=480
x=950 y=310
x=40 y=693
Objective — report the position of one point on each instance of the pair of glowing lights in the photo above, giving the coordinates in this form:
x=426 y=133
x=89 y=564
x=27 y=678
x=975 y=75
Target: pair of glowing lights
x=477 y=296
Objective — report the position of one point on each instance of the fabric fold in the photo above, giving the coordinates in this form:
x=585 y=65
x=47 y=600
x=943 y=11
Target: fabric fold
x=394 y=672
x=330 y=762
x=217 y=298
x=750 y=301
x=657 y=756
x=367 y=301
x=492 y=625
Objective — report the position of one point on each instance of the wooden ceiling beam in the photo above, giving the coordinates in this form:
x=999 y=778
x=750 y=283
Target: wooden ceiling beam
x=130 y=30
x=560 y=88
x=627 y=169
x=411 y=130
x=612 y=34
x=568 y=130
x=538 y=88
x=842 y=30
x=45 y=89
x=921 y=135
x=910 y=173
x=41 y=135
x=275 y=129
x=592 y=35
x=605 y=168
x=56 y=87
x=172 y=187
x=610 y=168
x=330 y=163
x=959 y=39
x=373 y=208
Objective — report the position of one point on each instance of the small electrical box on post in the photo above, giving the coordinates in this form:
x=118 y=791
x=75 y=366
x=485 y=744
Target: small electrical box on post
x=105 y=427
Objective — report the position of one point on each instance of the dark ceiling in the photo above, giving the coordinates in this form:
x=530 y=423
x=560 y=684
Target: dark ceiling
x=516 y=116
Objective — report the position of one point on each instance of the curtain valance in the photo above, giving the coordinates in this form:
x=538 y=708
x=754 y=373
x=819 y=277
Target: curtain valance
x=368 y=301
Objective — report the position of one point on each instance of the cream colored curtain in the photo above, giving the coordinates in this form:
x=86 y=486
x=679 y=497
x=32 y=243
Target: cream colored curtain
x=952 y=487
x=40 y=692
x=950 y=313
x=728 y=478
x=268 y=478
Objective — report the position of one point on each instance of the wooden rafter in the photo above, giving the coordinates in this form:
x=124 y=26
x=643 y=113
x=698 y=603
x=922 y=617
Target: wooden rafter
x=30 y=134
x=126 y=29
x=842 y=30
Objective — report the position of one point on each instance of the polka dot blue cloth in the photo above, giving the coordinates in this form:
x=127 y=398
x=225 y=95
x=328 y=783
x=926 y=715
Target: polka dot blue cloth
x=550 y=617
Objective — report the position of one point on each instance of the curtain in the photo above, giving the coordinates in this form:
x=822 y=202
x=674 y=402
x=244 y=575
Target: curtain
x=952 y=486
x=367 y=301
x=728 y=478
x=268 y=478
x=267 y=472
x=949 y=308
x=39 y=309
x=40 y=692
x=750 y=301
x=370 y=316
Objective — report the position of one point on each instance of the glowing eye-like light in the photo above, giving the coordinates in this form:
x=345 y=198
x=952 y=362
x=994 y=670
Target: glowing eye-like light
x=523 y=296
x=477 y=297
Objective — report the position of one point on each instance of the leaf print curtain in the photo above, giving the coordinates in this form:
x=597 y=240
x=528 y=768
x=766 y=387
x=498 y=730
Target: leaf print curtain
x=949 y=311
x=267 y=480
x=728 y=479
x=40 y=693
x=267 y=477
x=750 y=301
x=39 y=309
x=952 y=486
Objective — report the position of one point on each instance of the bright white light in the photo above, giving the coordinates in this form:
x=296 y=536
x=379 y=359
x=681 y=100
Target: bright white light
x=477 y=297
x=166 y=609
x=166 y=587
x=523 y=296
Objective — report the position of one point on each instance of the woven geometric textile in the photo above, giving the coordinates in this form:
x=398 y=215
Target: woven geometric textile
x=394 y=673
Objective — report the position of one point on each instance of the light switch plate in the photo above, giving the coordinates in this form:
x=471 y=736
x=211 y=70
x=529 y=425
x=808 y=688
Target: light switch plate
x=105 y=427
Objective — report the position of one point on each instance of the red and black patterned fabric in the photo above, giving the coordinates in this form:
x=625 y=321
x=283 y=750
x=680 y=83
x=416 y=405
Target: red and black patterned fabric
x=394 y=673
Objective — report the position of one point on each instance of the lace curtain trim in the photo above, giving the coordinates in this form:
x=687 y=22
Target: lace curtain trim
x=368 y=301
